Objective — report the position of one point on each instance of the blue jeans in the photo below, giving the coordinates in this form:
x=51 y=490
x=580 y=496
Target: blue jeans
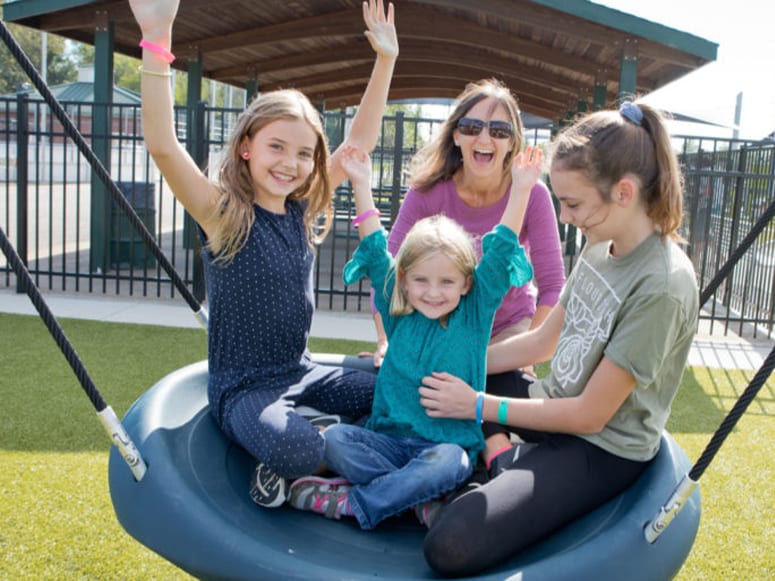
x=390 y=473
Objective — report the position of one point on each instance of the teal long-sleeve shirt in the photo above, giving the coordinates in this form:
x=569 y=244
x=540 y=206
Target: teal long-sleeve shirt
x=420 y=346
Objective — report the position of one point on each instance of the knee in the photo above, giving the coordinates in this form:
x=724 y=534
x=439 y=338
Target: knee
x=456 y=458
x=335 y=434
x=337 y=442
x=298 y=453
x=446 y=550
x=293 y=466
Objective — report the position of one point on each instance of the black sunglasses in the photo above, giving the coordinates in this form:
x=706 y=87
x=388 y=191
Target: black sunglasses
x=497 y=129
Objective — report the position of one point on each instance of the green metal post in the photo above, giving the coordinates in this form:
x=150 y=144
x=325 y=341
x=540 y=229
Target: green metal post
x=628 y=76
x=251 y=87
x=104 y=42
x=599 y=93
x=197 y=148
x=193 y=138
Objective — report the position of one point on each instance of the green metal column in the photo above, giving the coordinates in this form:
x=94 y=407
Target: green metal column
x=599 y=92
x=628 y=76
x=193 y=139
x=104 y=41
x=197 y=148
x=251 y=87
x=193 y=96
x=570 y=115
x=582 y=106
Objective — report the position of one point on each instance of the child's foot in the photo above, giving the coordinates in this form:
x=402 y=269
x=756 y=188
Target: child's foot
x=318 y=419
x=267 y=489
x=324 y=421
x=326 y=496
x=426 y=512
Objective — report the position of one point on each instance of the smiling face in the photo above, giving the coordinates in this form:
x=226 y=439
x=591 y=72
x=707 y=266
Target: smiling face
x=435 y=286
x=281 y=157
x=484 y=155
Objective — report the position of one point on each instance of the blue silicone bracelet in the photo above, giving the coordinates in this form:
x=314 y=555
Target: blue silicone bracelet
x=479 y=406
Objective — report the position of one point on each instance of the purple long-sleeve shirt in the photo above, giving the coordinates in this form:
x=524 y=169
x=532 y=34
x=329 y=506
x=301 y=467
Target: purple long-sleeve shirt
x=539 y=237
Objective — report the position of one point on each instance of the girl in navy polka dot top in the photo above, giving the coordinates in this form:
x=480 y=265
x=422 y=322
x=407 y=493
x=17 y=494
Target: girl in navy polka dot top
x=257 y=218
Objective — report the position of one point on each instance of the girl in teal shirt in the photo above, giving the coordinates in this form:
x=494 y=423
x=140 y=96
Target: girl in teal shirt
x=437 y=305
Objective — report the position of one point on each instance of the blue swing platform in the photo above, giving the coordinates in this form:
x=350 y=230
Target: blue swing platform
x=192 y=508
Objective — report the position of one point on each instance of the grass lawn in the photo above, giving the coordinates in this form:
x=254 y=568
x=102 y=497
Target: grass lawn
x=57 y=522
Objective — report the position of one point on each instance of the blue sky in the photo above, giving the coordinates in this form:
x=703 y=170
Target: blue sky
x=745 y=63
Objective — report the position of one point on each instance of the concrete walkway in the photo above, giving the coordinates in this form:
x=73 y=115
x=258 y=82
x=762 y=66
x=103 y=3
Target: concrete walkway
x=168 y=313
x=715 y=349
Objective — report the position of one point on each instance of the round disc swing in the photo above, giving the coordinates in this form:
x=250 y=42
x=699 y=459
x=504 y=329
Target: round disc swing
x=179 y=487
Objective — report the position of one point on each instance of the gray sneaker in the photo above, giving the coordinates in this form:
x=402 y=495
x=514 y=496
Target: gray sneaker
x=326 y=496
x=267 y=489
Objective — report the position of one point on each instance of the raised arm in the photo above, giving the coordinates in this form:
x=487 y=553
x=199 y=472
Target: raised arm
x=381 y=34
x=357 y=165
x=190 y=186
x=525 y=171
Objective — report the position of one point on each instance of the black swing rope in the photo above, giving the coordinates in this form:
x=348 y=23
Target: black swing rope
x=107 y=417
x=686 y=487
x=105 y=413
x=99 y=169
x=121 y=439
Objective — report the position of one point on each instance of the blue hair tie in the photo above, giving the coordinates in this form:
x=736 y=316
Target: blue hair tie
x=631 y=112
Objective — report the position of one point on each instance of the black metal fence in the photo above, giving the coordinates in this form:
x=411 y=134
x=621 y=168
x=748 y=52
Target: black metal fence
x=728 y=186
x=75 y=240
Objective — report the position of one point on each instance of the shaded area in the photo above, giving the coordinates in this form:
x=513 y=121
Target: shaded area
x=554 y=53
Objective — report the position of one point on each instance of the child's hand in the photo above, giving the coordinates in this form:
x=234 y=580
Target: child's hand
x=381 y=29
x=357 y=165
x=154 y=16
x=526 y=169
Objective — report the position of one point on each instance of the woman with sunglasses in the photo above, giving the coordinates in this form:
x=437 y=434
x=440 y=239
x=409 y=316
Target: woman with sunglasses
x=465 y=174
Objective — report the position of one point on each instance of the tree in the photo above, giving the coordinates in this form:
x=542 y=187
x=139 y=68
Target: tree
x=61 y=68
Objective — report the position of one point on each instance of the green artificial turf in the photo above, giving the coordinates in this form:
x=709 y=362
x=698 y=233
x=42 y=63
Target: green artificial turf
x=56 y=520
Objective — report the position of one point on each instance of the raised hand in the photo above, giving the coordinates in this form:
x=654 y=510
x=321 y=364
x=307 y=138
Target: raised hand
x=357 y=165
x=154 y=16
x=526 y=169
x=381 y=31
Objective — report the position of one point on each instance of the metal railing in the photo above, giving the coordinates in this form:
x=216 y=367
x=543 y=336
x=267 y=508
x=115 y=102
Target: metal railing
x=728 y=186
x=74 y=240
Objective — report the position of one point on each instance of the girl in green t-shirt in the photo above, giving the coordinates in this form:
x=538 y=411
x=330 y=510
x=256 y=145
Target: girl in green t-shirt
x=618 y=341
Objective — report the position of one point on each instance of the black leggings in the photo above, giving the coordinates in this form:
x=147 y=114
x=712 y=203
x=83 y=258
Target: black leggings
x=559 y=480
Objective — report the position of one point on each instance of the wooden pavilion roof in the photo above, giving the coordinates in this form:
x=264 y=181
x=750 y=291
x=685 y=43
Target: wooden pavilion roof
x=549 y=52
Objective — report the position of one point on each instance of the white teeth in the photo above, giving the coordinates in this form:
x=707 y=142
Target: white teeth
x=284 y=178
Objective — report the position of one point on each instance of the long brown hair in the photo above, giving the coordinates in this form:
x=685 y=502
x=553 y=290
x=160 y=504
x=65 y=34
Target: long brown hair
x=234 y=209
x=440 y=159
x=607 y=145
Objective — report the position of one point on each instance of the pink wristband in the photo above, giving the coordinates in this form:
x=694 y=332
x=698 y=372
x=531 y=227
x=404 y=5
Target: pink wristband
x=163 y=53
x=367 y=214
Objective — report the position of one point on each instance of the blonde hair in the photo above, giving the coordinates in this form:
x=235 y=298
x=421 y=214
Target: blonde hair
x=605 y=146
x=441 y=158
x=234 y=208
x=428 y=237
